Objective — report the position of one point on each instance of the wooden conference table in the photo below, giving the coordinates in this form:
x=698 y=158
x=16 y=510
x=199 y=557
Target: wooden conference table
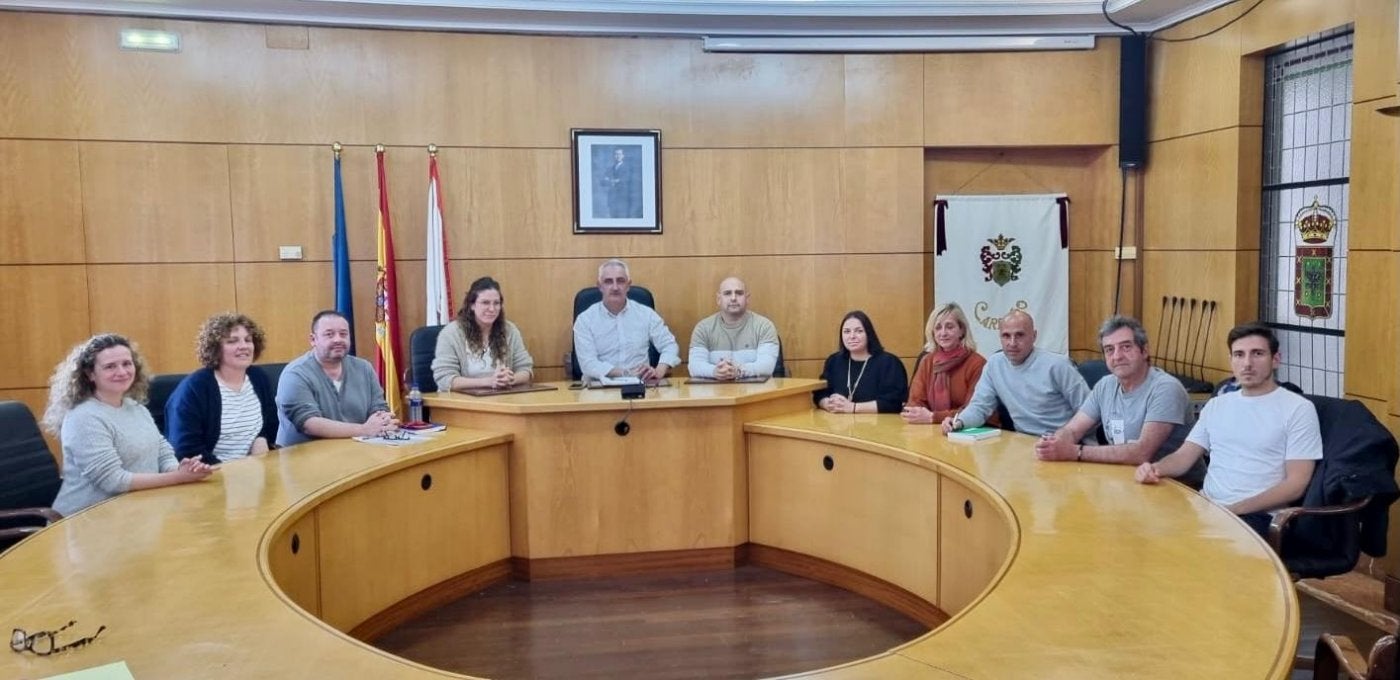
x=1047 y=570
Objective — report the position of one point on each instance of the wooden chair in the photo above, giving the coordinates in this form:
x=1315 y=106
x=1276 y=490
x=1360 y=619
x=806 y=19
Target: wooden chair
x=1336 y=654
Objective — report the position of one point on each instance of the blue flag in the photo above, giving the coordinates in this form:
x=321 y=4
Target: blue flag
x=341 y=256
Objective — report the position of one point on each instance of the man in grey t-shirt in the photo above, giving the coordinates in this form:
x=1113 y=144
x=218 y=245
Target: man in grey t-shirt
x=1144 y=410
x=329 y=393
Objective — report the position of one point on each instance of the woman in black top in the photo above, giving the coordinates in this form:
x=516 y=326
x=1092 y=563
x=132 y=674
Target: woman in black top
x=861 y=377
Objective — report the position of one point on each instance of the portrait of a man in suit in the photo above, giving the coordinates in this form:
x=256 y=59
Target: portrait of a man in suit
x=620 y=182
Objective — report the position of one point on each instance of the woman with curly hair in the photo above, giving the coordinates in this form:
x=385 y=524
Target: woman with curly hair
x=110 y=443
x=481 y=349
x=225 y=410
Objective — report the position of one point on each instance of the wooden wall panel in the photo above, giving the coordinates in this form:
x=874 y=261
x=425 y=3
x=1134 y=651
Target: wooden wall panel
x=1292 y=19
x=1194 y=196
x=1091 y=284
x=282 y=297
x=1163 y=277
x=1375 y=202
x=884 y=102
x=1370 y=340
x=1180 y=72
x=448 y=88
x=45 y=309
x=156 y=203
x=160 y=307
x=1089 y=175
x=41 y=220
x=1375 y=71
x=516 y=203
x=1040 y=98
x=281 y=195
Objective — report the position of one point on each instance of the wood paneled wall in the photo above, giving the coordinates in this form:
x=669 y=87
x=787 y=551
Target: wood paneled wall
x=1203 y=197
x=141 y=192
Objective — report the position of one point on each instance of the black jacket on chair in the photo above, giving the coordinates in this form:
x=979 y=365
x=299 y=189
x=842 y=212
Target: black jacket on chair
x=1358 y=460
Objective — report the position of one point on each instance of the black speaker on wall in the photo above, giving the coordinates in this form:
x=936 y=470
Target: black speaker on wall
x=1132 y=101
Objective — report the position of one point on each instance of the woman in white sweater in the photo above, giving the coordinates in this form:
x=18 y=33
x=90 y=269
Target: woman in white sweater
x=110 y=443
x=480 y=348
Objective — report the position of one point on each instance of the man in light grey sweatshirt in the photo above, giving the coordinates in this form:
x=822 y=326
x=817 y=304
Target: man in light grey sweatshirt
x=1041 y=390
x=329 y=393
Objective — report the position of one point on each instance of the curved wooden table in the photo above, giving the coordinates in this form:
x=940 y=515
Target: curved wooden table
x=1090 y=574
x=1106 y=578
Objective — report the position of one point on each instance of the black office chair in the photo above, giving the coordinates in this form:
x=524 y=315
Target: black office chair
x=590 y=296
x=1093 y=371
x=162 y=386
x=422 y=345
x=29 y=478
x=273 y=373
x=779 y=368
x=1344 y=510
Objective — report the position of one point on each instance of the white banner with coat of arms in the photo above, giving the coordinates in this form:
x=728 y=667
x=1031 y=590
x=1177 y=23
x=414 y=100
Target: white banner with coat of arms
x=999 y=253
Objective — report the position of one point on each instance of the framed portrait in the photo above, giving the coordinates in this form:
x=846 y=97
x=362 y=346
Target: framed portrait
x=617 y=181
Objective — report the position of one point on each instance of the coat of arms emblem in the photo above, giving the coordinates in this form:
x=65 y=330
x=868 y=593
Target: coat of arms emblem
x=1313 y=275
x=1001 y=265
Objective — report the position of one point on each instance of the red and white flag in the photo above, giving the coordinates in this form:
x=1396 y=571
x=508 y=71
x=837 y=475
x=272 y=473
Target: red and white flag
x=439 y=282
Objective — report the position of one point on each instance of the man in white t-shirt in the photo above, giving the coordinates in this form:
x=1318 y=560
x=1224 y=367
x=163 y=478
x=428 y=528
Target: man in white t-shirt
x=1263 y=440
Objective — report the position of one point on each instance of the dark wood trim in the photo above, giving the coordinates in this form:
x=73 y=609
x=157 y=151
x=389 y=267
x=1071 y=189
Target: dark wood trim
x=599 y=566
x=431 y=598
x=841 y=576
x=1392 y=594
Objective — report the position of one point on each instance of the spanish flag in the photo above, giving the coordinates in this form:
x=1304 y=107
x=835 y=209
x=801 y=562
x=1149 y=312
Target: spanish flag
x=386 y=300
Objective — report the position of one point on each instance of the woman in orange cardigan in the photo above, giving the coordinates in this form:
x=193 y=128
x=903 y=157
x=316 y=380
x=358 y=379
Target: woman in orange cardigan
x=945 y=378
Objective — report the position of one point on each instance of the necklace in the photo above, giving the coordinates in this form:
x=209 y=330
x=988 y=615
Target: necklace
x=851 y=389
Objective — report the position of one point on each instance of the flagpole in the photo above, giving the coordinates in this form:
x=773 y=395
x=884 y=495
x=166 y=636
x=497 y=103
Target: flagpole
x=438 y=284
x=386 y=330
x=340 y=253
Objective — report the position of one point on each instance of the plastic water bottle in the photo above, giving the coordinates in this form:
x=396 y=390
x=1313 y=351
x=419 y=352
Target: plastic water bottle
x=415 y=404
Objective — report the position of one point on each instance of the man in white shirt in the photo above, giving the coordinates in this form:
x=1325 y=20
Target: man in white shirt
x=733 y=343
x=611 y=338
x=1263 y=440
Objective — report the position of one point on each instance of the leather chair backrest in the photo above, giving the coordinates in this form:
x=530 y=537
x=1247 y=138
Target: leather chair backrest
x=1093 y=370
x=1358 y=460
x=28 y=472
x=590 y=296
x=422 y=345
x=273 y=373
x=162 y=386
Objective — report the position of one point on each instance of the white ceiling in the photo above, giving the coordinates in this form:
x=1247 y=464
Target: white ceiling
x=672 y=17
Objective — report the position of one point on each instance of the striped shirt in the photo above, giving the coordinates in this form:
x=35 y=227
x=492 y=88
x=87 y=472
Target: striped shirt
x=240 y=421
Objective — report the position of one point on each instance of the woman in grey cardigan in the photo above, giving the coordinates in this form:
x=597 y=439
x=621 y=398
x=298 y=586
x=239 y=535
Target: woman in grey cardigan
x=110 y=443
x=481 y=348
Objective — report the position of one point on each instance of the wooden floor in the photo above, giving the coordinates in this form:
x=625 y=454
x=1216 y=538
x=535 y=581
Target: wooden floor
x=742 y=623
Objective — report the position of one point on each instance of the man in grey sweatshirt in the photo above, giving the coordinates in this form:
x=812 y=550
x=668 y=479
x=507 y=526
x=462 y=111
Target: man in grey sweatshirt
x=1041 y=390
x=329 y=393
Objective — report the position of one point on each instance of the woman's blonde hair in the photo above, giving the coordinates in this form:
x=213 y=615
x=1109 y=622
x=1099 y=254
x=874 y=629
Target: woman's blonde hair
x=951 y=309
x=71 y=385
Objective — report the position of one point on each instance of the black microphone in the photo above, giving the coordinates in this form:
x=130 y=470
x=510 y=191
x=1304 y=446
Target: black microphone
x=622 y=428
